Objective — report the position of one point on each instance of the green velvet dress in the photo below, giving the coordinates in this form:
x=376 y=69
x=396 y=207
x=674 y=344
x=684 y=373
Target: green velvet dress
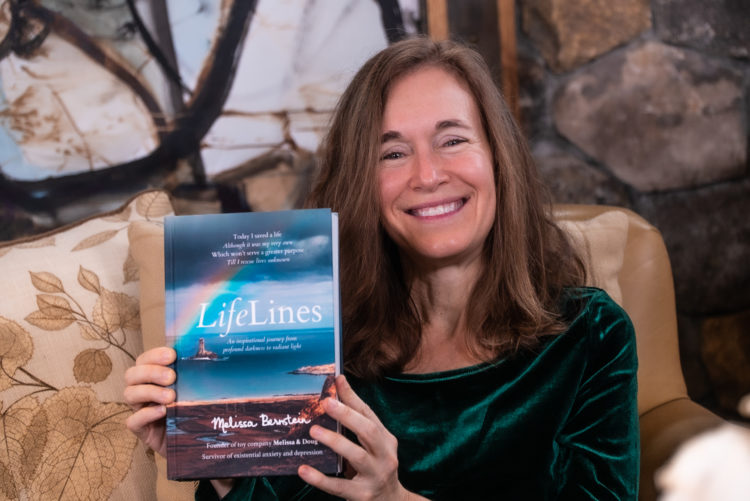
x=558 y=423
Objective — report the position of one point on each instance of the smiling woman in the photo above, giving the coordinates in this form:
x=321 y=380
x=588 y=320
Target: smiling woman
x=477 y=366
x=409 y=152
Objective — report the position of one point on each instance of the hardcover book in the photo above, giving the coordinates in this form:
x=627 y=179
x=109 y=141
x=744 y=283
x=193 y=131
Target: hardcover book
x=252 y=310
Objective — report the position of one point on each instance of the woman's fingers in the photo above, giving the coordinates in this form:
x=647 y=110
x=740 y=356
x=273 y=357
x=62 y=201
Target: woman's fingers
x=375 y=461
x=151 y=367
x=146 y=394
x=350 y=398
x=147 y=423
x=378 y=445
x=145 y=385
x=357 y=417
x=145 y=380
x=355 y=455
x=161 y=355
x=149 y=374
x=139 y=395
x=139 y=421
x=337 y=486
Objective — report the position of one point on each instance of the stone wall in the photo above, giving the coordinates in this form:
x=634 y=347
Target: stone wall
x=646 y=104
x=638 y=103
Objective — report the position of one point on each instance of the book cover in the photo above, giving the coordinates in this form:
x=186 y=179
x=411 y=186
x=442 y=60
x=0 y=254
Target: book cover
x=252 y=310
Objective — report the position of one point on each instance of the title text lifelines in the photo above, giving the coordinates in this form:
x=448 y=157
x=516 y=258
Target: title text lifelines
x=250 y=316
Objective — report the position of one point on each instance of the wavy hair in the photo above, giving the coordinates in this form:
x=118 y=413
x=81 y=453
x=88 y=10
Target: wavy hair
x=527 y=258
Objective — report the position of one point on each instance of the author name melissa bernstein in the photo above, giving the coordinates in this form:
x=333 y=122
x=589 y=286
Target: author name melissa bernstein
x=232 y=422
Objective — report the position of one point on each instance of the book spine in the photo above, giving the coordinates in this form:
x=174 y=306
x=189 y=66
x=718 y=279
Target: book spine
x=169 y=310
x=338 y=354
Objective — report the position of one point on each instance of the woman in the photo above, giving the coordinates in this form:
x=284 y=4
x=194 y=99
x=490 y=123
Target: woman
x=475 y=367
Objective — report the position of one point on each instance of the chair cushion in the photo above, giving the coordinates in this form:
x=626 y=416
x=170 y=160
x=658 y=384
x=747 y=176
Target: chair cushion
x=600 y=238
x=147 y=247
x=69 y=327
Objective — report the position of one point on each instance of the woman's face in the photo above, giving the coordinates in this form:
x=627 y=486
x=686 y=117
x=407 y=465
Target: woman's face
x=435 y=177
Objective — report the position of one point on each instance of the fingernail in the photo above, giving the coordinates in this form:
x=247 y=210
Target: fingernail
x=332 y=403
x=341 y=380
x=303 y=470
x=166 y=356
x=315 y=432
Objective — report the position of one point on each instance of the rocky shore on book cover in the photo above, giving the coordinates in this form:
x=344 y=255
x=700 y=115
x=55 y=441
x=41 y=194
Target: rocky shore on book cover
x=252 y=310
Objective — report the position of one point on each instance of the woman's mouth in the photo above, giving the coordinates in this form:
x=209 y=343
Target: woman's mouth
x=438 y=210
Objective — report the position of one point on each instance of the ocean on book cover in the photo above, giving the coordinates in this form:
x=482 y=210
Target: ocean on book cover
x=252 y=310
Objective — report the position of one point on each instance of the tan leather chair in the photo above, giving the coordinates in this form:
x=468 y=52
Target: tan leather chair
x=667 y=415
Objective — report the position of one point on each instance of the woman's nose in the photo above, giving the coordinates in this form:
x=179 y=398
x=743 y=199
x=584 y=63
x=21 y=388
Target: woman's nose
x=427 y=171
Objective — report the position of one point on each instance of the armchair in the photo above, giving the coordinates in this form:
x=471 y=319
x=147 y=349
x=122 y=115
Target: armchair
x=644 y=288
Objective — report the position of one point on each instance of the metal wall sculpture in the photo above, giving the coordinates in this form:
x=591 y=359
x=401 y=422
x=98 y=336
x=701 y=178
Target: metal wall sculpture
x=117 y=90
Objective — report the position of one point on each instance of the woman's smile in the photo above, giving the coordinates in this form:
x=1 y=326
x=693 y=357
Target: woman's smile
x=431 y=211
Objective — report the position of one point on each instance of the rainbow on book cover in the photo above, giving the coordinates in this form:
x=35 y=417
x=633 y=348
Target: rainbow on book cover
x=252 y=310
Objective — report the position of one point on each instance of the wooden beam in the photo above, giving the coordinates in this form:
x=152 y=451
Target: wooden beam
x=506 y=14
x=437 y=19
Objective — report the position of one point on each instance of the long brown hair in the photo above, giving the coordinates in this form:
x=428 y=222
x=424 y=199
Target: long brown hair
x=528 y=259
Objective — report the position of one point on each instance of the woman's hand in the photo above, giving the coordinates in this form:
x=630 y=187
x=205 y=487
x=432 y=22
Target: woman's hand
x=374 y=460
x=146 y=395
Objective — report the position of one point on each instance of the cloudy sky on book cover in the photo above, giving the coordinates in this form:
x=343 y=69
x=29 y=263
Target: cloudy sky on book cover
x=258 y=291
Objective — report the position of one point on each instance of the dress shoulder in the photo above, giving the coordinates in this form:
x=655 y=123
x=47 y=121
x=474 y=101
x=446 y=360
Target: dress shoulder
x=593 y=308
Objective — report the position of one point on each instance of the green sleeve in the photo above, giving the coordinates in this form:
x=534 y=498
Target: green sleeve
x=601 y=437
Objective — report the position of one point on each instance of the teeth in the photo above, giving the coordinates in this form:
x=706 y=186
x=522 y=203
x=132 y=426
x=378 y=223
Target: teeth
x=438 y=210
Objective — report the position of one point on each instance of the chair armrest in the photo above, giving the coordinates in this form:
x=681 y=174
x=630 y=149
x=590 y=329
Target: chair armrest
x=663 y=429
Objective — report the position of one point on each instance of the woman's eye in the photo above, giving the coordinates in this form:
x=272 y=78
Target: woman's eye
x=454 y=141
x=392 y=155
